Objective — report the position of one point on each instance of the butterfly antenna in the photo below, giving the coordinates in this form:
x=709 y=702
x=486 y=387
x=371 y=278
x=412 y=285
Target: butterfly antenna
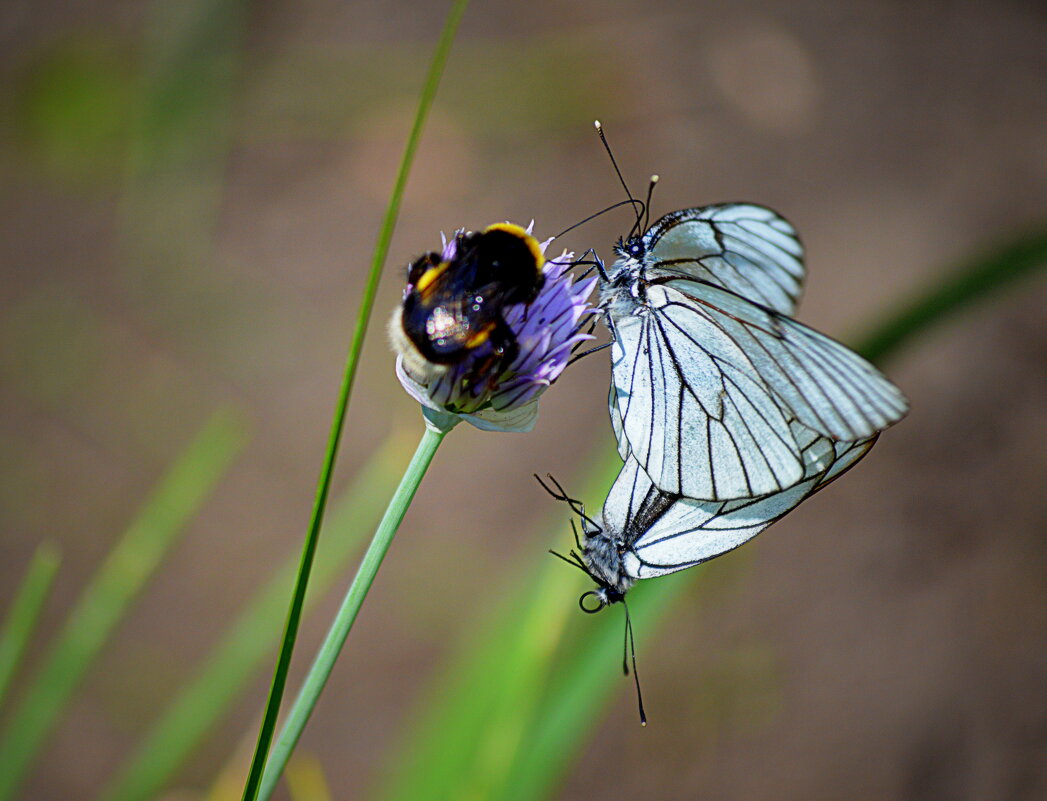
x=638 y=206
x=573 y=562
x=631 y=201
x=631 y=651
x=561 y=495
x=647 y=203
x=558 y=496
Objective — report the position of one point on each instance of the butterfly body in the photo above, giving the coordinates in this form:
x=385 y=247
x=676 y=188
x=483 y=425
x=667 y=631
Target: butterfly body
x=644 y=532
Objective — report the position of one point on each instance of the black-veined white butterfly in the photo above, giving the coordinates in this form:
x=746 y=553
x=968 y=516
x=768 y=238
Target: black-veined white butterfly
x=644 y=532
x=709 y=371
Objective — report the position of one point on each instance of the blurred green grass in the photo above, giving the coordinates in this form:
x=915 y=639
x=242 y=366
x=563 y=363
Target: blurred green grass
x=20 y=622
x=110 y=593
x=239 y=652
x=516 y=702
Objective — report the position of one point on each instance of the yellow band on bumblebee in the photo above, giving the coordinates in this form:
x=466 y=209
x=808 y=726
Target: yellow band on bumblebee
x=480 y=336
x=431 y=275
x=532 y=243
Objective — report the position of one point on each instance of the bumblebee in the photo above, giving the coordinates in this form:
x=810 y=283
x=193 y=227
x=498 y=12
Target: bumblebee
x=453 y=309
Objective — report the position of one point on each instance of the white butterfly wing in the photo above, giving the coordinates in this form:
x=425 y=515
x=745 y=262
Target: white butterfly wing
x=742 y=247
x=697 y=531
x=616 y=424
x=820 y=382
x=692 y=406
x=688 y=532
x=846 y=455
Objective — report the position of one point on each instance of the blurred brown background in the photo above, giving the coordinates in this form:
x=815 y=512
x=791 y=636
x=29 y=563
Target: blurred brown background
x=190 y=193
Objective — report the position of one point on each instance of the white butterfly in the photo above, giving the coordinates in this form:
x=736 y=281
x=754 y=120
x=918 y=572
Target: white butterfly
x=711 y=375
x=644 y=532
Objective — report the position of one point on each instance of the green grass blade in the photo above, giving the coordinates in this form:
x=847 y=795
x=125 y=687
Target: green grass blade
x=174 y=502
x=482 y=709
x=973 y=282
x=581 y=691
x=471 y=731
x=25 y=609
x=381 y=250
x=241 y=650
x=450 y=751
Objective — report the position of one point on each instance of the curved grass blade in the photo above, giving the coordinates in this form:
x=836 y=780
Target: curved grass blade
x=225 y=674
x=975 y=281
x=381 y=250
x=25 y=609
x=174 y=502
x=480 y=712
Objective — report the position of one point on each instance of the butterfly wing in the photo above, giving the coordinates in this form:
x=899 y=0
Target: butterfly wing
x=692 y=407
x=687 y=532
x=742 y=247
x=706 y=385
x=823 y=384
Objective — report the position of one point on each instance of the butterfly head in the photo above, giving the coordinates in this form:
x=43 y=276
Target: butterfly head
x=631 y=247
x=598 y=555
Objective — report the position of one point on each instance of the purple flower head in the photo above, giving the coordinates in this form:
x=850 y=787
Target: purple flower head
x=485 y=390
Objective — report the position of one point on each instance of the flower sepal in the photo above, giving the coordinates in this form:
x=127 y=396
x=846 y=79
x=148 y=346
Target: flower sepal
x=520 y=419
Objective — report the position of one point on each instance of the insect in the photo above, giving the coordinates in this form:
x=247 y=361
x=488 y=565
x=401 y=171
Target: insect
x=454 y=307
x=644 y=532
x=709 y=371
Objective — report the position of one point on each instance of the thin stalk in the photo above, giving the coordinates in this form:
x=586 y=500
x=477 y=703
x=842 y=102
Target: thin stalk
x=20 y=622
x=381 y=249
x=332 y=645
x=250 y=641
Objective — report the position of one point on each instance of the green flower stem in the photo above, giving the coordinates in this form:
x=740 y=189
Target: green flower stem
x=332 y=645
x=249 y=642
x=381 y=249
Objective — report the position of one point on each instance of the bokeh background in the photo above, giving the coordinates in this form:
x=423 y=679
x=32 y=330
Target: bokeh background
x=190 y=194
